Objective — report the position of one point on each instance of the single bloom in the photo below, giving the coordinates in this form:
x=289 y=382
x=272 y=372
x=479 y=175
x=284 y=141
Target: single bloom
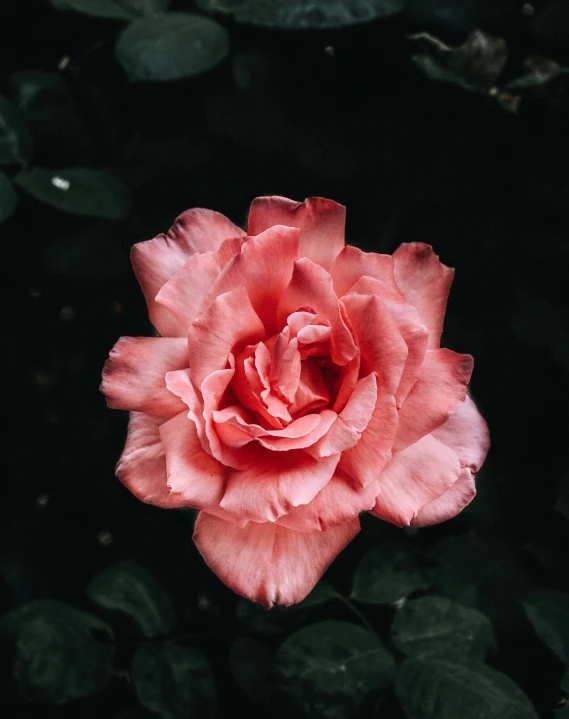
x=296 y=383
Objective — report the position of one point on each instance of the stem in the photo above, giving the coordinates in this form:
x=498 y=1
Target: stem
x=356 y=612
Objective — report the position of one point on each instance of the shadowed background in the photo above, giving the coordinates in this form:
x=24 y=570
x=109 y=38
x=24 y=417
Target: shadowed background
x=440 y=122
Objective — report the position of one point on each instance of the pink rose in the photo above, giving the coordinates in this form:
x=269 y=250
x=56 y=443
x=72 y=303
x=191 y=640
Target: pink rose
x=296 y=383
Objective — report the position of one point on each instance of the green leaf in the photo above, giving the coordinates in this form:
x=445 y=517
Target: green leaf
x=173 y=681
x=132 y=590
x=92 y=193
x=61 y=653
x=333 y=669
x=548 y=612
x=250 y=665
x=302 y=15
x=446 y=686
x=436 y=623
x=170 y=47
x=114 y=9
x=562 y=711
x=387 y=573
x=8 y=198
x=15 y=137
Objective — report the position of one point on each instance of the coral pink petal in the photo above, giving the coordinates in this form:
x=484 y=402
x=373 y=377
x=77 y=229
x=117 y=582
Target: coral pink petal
x=142 y=466
x=312 y=392
x=448 y=505
x=425 y=282
x=263 y=269
x=352 y=263
x=339 y=502
x=311 y=286
x=267 y=563
x=228 y=325
x=286 y=368
x=155 y=261
x=193 y=475
x=134 y=376
x=382 y=348
x=345 y=381
x=247 y=386
x=466 y=432
x=437 y=393
x=321 y=223
x=372 y=453
x=276 y=482
x=351 y=422
x=184 y=293
x=418 y=475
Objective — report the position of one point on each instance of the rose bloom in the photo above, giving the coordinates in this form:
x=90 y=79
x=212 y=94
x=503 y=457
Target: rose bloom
x=296 y=383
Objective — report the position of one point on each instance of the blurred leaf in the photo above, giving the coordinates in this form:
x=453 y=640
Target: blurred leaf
x=302 y=15
x=474 y=65
x=321 y=594
x=15 y=137
x=250 y=665
x=132 y=590
x=481 y=572
x=332 y=669
x=59 y=656
x=173 y=681
x=114 y=9
x=548 y=612
x=541 y=73
x=457 y=16
x=562 y=712
x=435 y=623
x=443 y=686
x=93 y=193
x=387 y=573
x=28 y=85
x=8 y=197
x=172 y=46
x=562 y=503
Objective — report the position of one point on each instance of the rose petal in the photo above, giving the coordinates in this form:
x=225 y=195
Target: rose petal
x=339 y=502
x=155 y=261
x=382 y=348
x=418 y=475
x=185 y=292
x=194 y=475
x=263 y=268
x=311 y=392
x=449 y=504
x=228 y=324
x=321 y=223
x=142 y=466
x=352 y=263
x=134 y=376
x=275 y=483
x=426 y=283
x=466 y=432
x=351 y=422
x=311 y=286
x=267 y=563
x=372 y=453
x=434 y=396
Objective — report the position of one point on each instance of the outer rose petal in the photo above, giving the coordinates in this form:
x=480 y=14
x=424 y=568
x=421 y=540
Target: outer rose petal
x=134 y=376
x=352 y=263
x=418 y=475
x=184 y=293
x=263 y=268
x=466 y=432
x=321 y=223
x=155 y=261
x=229 y=322
x=267 y=563
x=437 y=393
x=426 y=283
x=449 y=504
x=339 y=502
x=142 y=466
x=275 y=483
x=192 y=474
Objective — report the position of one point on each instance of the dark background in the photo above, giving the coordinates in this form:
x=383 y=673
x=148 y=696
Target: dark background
x=454 y=150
